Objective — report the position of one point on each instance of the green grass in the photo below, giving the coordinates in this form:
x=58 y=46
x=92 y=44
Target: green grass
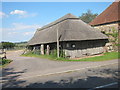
x=4 y=62
x=106 y=56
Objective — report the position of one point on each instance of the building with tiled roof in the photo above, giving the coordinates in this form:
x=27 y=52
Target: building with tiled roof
x=109 y=20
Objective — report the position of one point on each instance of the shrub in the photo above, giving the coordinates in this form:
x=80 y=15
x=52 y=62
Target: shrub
x=62 y=53
x=54 y=53
x=8 y=45
x=37 y=52
x=4 y=61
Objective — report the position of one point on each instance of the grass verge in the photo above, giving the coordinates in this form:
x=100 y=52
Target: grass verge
x=106 y=56
x=4 y=62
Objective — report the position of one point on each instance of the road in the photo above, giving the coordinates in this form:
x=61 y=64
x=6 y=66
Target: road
x=36 y=72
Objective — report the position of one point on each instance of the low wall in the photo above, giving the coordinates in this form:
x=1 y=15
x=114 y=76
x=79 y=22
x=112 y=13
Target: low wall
x=86 y=48
x=83 y=52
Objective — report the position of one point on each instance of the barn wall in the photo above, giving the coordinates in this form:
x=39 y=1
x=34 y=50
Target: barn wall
x=83 y=48
x=75 y=49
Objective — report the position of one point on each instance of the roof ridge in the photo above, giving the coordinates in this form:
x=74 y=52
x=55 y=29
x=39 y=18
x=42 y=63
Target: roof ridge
x=65 y=17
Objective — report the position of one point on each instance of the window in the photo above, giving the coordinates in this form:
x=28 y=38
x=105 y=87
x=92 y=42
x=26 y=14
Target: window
x=73 y=45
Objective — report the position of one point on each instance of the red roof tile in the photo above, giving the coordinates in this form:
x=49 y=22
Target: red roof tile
x=111 y=14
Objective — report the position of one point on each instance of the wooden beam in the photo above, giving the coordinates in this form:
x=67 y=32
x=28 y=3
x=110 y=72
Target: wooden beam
x=57 y=44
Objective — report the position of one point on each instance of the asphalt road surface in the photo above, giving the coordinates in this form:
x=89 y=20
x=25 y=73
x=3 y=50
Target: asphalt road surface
x=30 y=72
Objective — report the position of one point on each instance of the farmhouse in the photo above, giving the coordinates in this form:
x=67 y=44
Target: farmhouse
x=76 y=38
x=108 y=22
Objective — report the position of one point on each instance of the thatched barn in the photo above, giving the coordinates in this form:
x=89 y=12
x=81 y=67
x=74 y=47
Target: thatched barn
x=76 y=38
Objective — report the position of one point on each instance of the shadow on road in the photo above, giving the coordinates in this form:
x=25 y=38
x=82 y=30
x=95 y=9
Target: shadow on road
x=9 y=77
x=89 y=82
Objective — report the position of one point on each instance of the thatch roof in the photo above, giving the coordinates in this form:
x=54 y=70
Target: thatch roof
x=111 y=14
x=70 y=28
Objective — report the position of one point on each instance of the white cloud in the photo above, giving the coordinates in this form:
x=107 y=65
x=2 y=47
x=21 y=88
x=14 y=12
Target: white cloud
x=0 y=34
x=19 y=12
x=0 y=29
x=2 y=14
x=18 y=32
x=12 y=33
x=28 y=33
x=21 y=27
x=22 y=13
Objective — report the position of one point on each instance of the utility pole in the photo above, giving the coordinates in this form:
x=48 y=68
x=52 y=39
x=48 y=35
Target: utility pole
x=57 y=43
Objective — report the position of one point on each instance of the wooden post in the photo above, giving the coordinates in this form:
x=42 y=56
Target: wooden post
x=48 y=50
x=119 y=33
x=42 y=49
x=119 y=37
x=57 y=44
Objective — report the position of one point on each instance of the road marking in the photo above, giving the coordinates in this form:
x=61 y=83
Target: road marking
x=103 y=86
x=64 y=71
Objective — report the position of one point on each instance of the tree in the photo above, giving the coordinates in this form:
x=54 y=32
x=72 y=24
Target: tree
x=88 y=16
x=8 y=45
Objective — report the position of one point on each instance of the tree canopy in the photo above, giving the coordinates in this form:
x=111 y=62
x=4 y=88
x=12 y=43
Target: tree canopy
x=7 y=45
x=88 y=16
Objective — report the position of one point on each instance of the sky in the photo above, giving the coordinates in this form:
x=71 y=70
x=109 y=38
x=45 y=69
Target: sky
x=21 y=19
